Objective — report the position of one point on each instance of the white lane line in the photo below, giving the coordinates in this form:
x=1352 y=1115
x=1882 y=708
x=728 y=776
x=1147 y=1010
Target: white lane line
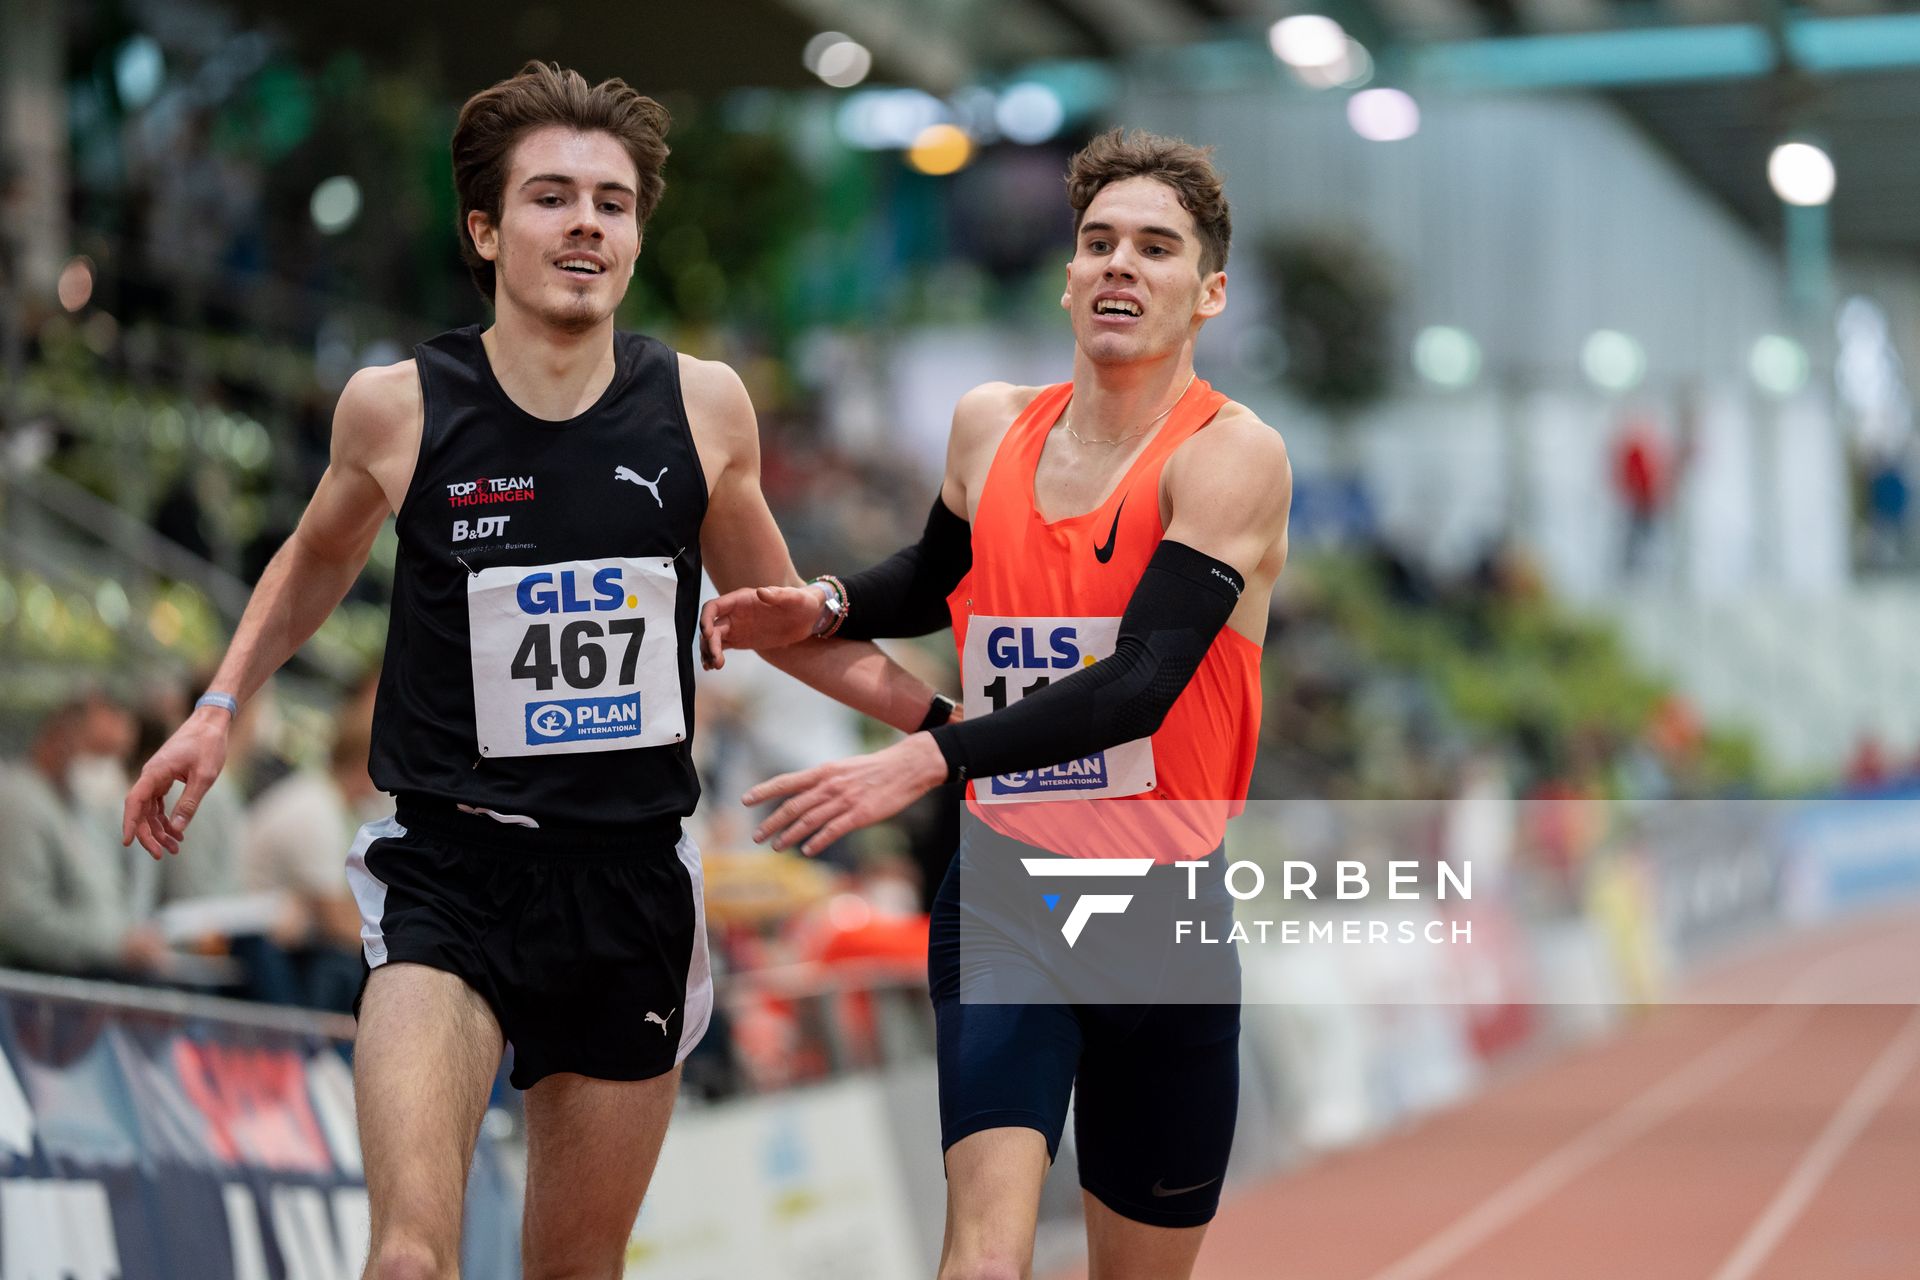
x=1817 y=1163
x=1822 y=982
x=1598 y=1141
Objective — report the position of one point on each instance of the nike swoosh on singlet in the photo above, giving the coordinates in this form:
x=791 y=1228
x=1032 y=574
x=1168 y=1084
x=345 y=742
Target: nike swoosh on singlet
x=1161 y=1190
x=1104 y=554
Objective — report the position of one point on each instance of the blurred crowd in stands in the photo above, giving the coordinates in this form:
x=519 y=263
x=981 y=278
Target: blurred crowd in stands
x=1523 y=736
x=255 y=903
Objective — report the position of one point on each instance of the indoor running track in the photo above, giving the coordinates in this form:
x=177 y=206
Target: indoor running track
x=1775 y=1141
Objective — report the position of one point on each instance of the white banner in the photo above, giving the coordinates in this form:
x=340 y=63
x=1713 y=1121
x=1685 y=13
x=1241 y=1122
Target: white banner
x=792 y=1187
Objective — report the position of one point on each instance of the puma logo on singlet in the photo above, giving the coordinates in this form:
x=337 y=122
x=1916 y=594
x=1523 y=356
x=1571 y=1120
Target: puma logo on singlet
x=654 y=1017
x=1104 y=554
x=651 y=486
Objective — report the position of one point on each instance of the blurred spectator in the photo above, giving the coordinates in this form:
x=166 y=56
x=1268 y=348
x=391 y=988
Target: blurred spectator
x=64 y=904
x=1868 y=766
x=1888 y=499
x=1479 y=825
x=296 y=842
x=1643 y=467
x=1565 y=819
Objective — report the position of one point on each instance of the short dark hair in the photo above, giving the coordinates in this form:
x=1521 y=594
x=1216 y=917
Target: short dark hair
x=1117 y=155
x=543 y=94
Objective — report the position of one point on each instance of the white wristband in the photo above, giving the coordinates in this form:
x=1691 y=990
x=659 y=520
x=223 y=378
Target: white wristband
x=214 y=698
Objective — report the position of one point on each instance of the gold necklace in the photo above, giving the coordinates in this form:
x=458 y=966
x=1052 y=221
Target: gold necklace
x=1066 y=423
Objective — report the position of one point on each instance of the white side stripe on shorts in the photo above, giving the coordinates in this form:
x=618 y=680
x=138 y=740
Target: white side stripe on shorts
x=699 y=1001
x=369 y=891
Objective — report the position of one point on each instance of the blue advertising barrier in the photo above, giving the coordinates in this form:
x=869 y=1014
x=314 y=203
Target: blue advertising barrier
x=153 y=1136
x=1852 y=852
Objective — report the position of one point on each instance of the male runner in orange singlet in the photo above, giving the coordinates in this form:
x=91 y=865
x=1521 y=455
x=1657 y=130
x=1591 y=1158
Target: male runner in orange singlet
x=1105 y=550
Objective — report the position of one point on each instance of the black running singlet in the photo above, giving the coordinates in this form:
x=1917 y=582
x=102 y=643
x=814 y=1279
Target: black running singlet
x=540 y=653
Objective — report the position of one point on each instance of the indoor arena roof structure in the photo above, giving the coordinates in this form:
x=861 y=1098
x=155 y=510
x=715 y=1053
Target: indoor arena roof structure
x=1715 y=82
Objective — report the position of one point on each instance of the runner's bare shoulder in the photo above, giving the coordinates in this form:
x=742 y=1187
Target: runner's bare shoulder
x=990 y=408
x=980 y=422
x=715 y=396
x=1236 y=463
x=1237 y=437
x=720 y=415
x=377 y=425
x=379 y=415
x=703 y=378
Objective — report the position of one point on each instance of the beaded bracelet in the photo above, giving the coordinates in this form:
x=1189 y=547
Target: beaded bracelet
x=839 y=590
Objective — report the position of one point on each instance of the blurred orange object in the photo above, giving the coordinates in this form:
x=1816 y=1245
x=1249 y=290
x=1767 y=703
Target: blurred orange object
x=748 y=888
x=1675 y=729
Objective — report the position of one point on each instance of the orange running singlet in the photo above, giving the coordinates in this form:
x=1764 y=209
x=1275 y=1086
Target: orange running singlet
x=1043 y=599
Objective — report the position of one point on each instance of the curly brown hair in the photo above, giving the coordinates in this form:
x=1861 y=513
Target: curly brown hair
x=544 y=93
x=1117 y=155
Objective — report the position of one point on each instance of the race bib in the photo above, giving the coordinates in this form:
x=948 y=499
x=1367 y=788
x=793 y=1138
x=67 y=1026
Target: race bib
x=573 y=657
x=1008 y=658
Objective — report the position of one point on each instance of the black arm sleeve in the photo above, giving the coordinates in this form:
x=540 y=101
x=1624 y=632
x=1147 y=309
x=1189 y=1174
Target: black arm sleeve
x=1183 y=600
x=906 y=594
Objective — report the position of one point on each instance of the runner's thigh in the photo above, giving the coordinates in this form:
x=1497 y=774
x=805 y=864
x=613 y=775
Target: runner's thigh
x=424 y=1061
x=591 y=1149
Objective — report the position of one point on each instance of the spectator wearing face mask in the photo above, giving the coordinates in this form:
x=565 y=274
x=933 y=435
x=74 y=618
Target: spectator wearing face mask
x=64 y=900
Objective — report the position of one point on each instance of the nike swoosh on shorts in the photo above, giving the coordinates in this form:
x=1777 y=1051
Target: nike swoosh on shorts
x=1160 y=1189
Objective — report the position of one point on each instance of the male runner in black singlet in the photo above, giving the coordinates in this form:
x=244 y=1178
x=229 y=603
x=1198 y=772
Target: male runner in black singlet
x=558 y=485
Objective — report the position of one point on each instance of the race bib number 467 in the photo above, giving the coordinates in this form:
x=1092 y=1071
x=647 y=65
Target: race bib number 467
x=1007 y=659
x=573 y=657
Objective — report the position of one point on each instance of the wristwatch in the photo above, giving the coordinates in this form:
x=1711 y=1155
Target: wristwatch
x=938 y=713
x=833 y=610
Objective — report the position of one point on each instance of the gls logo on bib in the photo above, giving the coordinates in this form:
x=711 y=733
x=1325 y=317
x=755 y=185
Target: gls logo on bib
x=575 y=657
x=1018 y=649
x=1007 y=659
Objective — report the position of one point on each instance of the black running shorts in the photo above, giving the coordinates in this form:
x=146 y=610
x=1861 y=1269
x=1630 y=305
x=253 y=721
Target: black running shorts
x=1155 y=1087
x=590 y=947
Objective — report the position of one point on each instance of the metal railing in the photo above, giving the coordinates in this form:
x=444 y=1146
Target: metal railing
x=176 y=1004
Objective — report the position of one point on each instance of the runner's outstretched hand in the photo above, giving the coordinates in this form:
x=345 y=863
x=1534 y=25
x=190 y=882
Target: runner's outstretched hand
x=194 y=755
x=756 y=618
x=827 y=801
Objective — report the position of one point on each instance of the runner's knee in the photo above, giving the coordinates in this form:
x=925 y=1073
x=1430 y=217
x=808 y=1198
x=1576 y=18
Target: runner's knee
x=401 y=1257
x=983 y=1267
x=574 y=1271
x=580 y=1257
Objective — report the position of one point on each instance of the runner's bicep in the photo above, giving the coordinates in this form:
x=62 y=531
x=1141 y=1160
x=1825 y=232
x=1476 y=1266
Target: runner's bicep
x=348 y=507
x=344 y=515
x=1231 y=503
x=740 y=544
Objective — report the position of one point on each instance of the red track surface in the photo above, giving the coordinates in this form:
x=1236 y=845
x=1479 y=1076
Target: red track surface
x=1701 y=1142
